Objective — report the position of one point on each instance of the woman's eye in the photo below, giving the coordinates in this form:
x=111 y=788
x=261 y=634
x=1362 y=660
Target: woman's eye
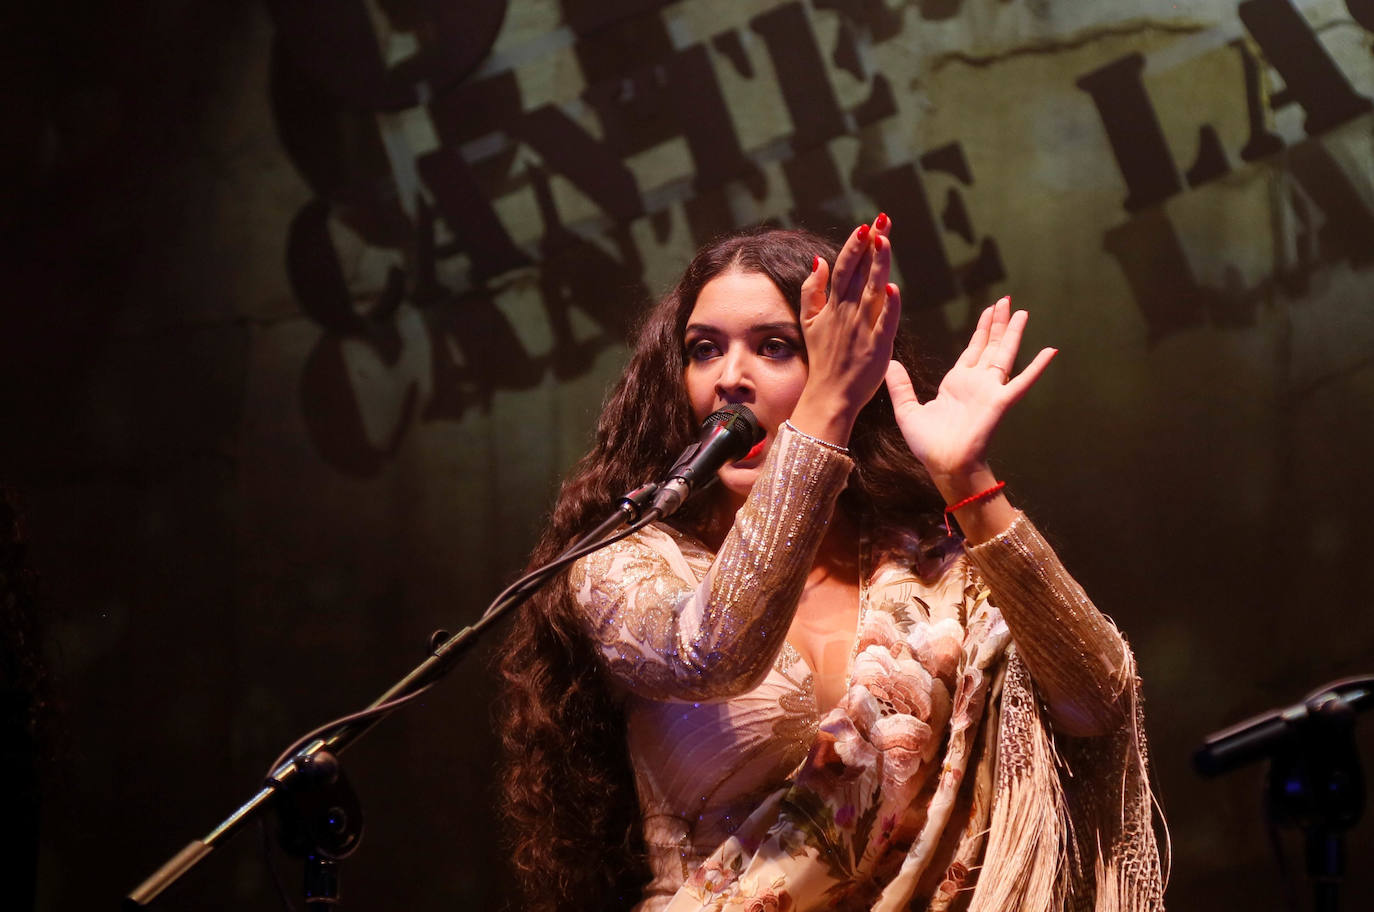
x=777 y=348
x=701 y=350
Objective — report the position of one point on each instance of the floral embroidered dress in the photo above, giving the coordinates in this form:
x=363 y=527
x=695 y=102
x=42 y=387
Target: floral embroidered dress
x=938 y=782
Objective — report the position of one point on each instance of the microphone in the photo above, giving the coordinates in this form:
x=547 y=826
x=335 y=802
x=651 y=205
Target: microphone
x=727 y=434
x=1263 y=735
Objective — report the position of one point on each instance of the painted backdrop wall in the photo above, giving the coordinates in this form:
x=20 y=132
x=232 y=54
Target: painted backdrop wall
x=312 y=304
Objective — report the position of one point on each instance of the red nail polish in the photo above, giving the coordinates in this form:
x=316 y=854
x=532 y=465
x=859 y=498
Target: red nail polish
x=880 y=242
x=891 y=290
x=815 y=263
x=882 y=219
x=863 y=232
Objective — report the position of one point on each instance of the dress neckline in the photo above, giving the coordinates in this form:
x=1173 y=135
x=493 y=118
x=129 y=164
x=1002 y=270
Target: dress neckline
x=809 y=679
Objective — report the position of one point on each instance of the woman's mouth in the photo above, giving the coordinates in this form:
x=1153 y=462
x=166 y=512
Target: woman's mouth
x=757 y=449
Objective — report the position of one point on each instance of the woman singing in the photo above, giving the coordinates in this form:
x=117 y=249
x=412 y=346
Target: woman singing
x=803 y=692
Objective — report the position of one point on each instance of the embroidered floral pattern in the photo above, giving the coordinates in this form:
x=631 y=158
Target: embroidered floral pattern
x=884 y=802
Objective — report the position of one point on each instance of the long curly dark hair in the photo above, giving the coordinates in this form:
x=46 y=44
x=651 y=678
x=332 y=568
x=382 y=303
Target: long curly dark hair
x=568 y=789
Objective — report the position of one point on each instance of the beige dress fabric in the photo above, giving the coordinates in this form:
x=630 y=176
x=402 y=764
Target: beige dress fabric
x=939 y=781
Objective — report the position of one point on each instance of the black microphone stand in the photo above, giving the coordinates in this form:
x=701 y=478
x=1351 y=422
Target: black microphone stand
x=1315 y=782
x=321 y=817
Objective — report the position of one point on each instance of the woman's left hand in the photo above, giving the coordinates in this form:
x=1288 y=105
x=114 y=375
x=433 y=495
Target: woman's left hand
x=951 y=432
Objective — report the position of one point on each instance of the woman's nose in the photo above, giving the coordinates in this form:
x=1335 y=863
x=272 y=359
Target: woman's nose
x=733 y=379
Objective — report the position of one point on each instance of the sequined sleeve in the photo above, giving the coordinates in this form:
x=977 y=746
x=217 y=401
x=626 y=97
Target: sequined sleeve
x=1075 y=655
x=670 y=628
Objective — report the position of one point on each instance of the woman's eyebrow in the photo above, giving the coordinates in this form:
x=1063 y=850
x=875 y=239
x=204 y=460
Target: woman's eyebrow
x=775 y=327
x=780 y=326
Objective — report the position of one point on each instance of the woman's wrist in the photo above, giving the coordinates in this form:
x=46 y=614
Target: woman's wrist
x=977 y=502
x=824 y=418
x=822 y=442
x=957 y=485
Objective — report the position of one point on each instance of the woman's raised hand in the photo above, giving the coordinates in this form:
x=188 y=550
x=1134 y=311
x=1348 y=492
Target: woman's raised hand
x=848 y=332
x=951 y=432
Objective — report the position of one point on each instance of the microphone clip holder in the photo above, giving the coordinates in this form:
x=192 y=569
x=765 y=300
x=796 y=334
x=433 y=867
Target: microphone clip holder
x=320 y=821
x=633 y=503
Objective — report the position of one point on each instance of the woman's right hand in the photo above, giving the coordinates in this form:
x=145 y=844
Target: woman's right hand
x=848 y=332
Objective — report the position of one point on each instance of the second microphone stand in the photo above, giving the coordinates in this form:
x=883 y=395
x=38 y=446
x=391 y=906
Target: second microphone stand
x=1315 y=782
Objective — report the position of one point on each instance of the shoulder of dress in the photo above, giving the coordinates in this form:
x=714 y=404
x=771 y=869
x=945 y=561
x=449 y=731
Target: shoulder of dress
x=686 y=542
x=657 y=549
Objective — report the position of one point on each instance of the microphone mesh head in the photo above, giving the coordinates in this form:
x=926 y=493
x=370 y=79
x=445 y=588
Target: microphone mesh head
x=737 y=420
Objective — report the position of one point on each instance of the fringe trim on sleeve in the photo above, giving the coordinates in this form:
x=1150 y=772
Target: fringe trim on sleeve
x=1072 y=821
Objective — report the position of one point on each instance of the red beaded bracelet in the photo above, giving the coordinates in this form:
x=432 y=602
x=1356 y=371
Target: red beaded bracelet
x=972 y=499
